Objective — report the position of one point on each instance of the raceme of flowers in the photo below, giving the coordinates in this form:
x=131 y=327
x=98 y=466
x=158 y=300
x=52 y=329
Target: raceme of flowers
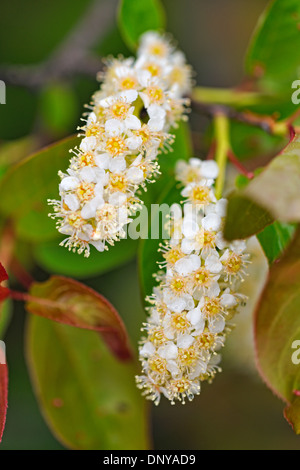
x=197 y=295
x=127 y=127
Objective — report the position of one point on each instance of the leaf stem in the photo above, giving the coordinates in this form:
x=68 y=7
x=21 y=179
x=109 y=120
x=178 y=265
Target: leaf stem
x=222 y=148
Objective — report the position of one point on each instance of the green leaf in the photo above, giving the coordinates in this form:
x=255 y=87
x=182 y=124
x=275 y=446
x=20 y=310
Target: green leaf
x=57 y=259
x=275 y=238
x=88 y=398
x=273 y=52
x=138 y=16
x=272 y=194
x=67 y=301
x=244 y=218
x=25 y=188
x=277 y=326
x=277 y=187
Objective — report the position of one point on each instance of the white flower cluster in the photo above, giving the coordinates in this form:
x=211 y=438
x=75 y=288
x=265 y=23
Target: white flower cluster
x=197 y=293
x=127 y=127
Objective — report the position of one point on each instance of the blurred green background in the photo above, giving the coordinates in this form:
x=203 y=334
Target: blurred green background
x=237 y=411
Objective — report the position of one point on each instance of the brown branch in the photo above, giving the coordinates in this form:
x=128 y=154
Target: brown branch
x=73 y=56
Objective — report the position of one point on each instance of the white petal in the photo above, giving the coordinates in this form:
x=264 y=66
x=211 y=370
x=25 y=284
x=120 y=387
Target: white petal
x=88 y=174
x=99 y=245
x=188 y=245
x=194 y=316
x=102 y=160
x=212 y=222
x=189 y=301
x=147 y=350
x=209 y=169
x=88 y=143
x=238 y=246
x=144 y=77
x=136 y=175
x=156 y=125
x=129 y=95
x=185 y=341
x=168 y=351
x=117 y=164
x=213 y=290
x=132 y=122
x=200 y=368
x=184 y=266
x=228 y=300
x=221 y=207
x=156 y=112
x=89 y=209
x=114 y=127
x=189 y=228
x=92 y=118
x=68 y=183
x=72 y=202
x=117 y=199
x=134 y=143
x=173 y=368
x=221 y=243
x=196 y=261
x=217 y=324
x=213 y=264
x=108 y=101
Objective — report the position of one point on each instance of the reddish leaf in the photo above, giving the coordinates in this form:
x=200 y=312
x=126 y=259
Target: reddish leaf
x=292 y=413
x=277 y=330
x=67 y=301
x=4 y=292
x=3 y=396
x=3 y=274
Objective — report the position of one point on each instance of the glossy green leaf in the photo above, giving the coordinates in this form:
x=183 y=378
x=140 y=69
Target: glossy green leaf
x=277 y=326
x=244 y=218
x=275 y=238
x=26 y=187
x=59 y=260
x=273 y=53
x=88 y=398
x=67 y=301
x=138 y=16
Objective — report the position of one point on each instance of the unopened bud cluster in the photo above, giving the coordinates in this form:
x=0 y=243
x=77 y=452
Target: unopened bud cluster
x=127 y=127
x=197 y=295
